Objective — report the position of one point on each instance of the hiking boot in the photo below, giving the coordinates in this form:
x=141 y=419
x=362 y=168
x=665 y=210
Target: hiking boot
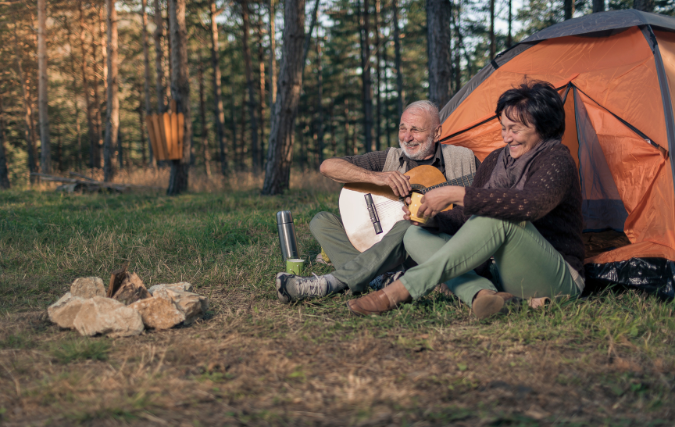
x=384 y=280
x=487 y=305
x=295 y=288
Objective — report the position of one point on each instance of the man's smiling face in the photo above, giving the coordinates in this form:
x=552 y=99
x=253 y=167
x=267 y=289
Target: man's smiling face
x=416 y=134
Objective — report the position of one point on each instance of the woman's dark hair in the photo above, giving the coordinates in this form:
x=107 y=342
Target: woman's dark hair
x=534 y=102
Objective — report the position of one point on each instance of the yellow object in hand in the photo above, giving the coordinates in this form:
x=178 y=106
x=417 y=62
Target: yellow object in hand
x=415 y=203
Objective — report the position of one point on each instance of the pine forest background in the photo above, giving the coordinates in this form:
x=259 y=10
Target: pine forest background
x=339 y=105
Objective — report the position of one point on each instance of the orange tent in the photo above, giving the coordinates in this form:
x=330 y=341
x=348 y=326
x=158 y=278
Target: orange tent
x=615 y=72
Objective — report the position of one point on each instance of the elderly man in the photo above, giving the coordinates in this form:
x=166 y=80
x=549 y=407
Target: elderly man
x=419 y=131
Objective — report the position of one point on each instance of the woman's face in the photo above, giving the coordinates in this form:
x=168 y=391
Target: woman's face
x=520 y=138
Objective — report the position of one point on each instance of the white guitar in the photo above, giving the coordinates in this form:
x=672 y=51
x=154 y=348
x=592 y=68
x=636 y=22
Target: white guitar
x=370 y=211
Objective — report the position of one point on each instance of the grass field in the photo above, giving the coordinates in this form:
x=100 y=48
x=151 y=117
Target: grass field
x=606 y=360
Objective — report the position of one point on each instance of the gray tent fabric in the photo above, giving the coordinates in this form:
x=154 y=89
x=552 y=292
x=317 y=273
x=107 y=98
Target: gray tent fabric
x=602 y=207
x=603 y=21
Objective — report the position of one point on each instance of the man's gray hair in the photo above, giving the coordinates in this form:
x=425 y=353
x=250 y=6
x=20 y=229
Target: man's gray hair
x=427 y=107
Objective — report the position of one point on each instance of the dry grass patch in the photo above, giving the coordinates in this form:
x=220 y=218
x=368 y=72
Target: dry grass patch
x=606 y=360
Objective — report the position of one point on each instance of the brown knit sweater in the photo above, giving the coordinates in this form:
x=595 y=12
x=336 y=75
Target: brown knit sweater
x=551 y=200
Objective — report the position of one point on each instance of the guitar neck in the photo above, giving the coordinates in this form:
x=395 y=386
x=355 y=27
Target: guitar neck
x=463 y=181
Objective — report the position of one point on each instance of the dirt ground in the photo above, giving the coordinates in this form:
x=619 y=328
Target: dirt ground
x=260 y=363
x=606 y=360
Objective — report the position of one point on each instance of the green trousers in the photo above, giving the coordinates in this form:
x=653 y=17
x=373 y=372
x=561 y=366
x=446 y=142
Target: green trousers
x=354 y=268
x=528 y=264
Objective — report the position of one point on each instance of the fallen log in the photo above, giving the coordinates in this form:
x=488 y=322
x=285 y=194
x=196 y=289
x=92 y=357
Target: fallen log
x=90 y=184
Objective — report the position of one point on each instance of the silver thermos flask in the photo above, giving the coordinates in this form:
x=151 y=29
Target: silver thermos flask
x=289 y=246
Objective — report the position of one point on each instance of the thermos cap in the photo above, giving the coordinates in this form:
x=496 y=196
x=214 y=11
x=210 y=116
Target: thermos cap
x=284 y=217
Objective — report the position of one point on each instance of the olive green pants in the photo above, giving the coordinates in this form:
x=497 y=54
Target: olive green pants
x=356 y=269
x=528 y=264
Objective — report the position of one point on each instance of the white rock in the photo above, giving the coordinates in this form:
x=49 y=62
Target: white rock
x=87 y=287
x=180 y=286
x=158 y=313
x=100 y=315
x=64 y=311
x=191 y=304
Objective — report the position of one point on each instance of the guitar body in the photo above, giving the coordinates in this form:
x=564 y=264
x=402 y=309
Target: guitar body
x=354 y=211
x=355 y=216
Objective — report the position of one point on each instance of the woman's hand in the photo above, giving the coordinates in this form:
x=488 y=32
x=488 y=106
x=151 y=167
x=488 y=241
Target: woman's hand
x=436 y=200
x=430 y=223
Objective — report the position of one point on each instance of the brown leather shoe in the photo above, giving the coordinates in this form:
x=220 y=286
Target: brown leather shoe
x=375 y=303
x=485 y=306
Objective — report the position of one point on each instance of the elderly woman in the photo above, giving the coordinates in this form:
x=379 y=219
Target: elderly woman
x=523 y=209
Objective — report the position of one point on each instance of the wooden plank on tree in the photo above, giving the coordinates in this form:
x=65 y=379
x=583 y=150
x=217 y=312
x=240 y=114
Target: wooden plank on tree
x=168 y=139
x=159 y=132
x=152 y=135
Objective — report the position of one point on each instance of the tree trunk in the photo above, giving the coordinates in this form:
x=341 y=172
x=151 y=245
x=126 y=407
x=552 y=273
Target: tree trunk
x=460 y=46
x=378 y=75
x=76 y=105
x=97 y=102
x=167 y=62
x=644 y=5
x=387 y=115
x=202 y=116
x=366 y=86
x=438 y=50
x=493 y=47
x=104 y=51
x=331 y=123
x=4 y=173
x=120 y=150
x=218 y=114
x=146 y=77
x=568 y=6
x=250 y=85
x=59 y=149
x=159 y=57
x=180 y=93
x=45 y=155
x=29 y=132
x=598 y=6
x=261 y=69
x=91 y=127
x=112 y=121
x=233 y=128
x=303 y=148
x=319 y=102
x=308 y=35
x=242 y=134
x=273 y=56
x=509 y=37
x=347 y=151
x=141 y=123
x=397 y=58
x=280 y=147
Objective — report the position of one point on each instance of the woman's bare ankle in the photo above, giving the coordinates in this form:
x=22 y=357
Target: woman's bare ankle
x=397 y=293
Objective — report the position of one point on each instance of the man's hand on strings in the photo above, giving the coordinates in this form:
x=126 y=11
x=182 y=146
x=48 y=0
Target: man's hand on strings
x=399 y=183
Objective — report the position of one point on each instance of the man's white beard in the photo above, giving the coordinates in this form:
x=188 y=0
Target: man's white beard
x=428 y=148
